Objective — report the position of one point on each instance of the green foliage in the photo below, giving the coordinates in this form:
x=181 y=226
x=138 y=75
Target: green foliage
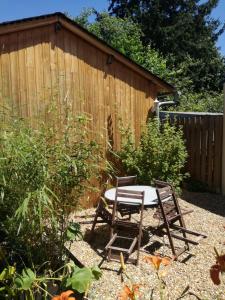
x=188 y=74
x=73 y=231
x=43 y=174
x=201 y=102
x=160 y=154
x=25 y=280
x=180 y=30
x=126 y=36
x=27 y=283
x=81 y=278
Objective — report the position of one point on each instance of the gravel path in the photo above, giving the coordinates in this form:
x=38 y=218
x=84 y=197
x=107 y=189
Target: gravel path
x=192 y=268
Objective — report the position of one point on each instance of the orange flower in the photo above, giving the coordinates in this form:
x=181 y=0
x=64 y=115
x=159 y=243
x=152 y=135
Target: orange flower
x=221 y=262
x=157 y=260
x=64 y=296
x=214 y=274
x=218 y=268
x=129 y=293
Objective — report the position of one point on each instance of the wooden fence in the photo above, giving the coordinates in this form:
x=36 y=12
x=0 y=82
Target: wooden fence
x=203 y=133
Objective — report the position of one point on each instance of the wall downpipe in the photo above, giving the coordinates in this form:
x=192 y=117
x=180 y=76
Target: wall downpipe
x=223 y=149
x=156 y=107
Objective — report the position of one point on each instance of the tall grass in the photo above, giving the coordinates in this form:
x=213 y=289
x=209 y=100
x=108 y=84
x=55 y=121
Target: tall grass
x=44 y=171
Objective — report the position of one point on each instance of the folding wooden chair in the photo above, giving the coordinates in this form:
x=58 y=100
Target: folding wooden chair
x=103 y=213
x=125 y=181
x=126 y=231
x=124 y=209
x=169 y=211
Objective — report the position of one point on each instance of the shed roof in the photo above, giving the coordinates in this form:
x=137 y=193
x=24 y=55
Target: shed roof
x=64 y=21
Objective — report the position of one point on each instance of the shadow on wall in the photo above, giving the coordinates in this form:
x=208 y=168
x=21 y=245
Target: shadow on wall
x=55 y=45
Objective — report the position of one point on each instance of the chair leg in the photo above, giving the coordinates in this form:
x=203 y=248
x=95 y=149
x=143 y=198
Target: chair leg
x=94 y=223
x=182 y=224
x=110 y=251
x=170 y=239
x=138 y=250
x=98 y=209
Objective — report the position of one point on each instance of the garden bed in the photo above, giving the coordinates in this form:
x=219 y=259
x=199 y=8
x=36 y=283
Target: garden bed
x=192 y=268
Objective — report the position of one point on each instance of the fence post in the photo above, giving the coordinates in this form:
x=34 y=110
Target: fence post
x=223 y=150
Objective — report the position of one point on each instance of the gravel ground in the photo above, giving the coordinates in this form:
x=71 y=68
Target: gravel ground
x=192 y=268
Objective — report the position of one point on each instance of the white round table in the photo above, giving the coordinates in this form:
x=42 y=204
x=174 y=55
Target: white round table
x=150 y=194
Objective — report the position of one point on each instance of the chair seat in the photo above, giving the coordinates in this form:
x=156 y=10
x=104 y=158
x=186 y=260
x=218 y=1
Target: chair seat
x=127 y=224
x=125 y=234
x=115 y=238
x=125 y=210
x=105 y=215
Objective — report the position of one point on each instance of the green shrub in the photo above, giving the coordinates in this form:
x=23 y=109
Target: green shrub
x=201 y=102
x=43 y=174
x=160 y=154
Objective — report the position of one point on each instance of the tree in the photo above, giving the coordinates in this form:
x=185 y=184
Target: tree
x=125 y=36
x=181 y=30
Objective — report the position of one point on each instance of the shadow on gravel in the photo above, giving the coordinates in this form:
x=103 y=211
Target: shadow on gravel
x=100 y=238
x=214 y=203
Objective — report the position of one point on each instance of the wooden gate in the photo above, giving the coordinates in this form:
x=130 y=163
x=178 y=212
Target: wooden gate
x=203 y=133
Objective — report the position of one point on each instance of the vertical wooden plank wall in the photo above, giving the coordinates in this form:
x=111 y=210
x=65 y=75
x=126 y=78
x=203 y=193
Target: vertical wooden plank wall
x=203 y=134
x=42 y=66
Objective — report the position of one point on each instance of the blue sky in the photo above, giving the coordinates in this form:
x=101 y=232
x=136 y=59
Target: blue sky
x=16 y=9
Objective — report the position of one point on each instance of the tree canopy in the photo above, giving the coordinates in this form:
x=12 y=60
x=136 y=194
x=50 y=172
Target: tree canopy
x=125 y=36
x=183 y=31
x=198 y=79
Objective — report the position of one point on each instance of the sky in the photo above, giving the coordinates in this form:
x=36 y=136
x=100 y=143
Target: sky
x=17 y=9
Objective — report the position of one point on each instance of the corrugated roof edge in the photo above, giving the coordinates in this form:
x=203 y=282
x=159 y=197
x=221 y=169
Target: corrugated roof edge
x=61 y=15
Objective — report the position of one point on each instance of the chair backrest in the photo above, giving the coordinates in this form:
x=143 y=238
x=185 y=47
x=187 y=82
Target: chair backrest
x=130 y=200
x=127 y=180
x=161 y=184
x=167 y=199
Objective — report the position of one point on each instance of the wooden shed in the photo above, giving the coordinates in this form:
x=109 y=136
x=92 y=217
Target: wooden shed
x=50 y=56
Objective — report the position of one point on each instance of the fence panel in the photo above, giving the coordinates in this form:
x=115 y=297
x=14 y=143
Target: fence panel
x=203 y=133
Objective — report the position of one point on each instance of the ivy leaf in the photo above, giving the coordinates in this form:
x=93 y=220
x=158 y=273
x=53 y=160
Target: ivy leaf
x=25 y=281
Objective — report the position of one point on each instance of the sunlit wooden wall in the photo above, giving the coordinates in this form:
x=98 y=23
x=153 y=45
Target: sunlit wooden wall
x=41 y=66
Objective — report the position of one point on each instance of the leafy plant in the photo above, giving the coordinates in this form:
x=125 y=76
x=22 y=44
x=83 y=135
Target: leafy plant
x=160 y=154
x=28 y=283
x=201 y=102
x=43 y=174
x=81 y=278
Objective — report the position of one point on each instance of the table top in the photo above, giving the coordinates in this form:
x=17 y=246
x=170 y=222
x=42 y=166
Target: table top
x=150 y=194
